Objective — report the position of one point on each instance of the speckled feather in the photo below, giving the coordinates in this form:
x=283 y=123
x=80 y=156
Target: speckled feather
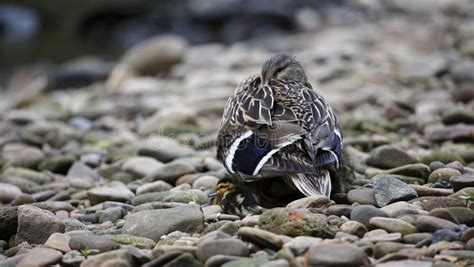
x=296 y=121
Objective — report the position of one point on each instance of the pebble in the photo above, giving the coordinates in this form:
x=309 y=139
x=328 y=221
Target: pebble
x=115 y=191
x=86 y=240
x=170 y=172
x=443 y=174
x=380 y=235
x=462 y=181
x=336 y=254
x=226 y=246
x=41 y=256
x=388 y=156
x=35 y=225
x=363 y=196
x=312 y=203
x=59 y=242
x=141 y=166
x=392 y=225
x=457 y=215
x=21 y=155
x=354 y=228
x=295 y=222
x=260 y=238
x=9 y=192
x=300 y=244
x=119 y=257
x=389 y=189
x=431 y=224
x=112 y=214
x=187 y=218
x=363 y=213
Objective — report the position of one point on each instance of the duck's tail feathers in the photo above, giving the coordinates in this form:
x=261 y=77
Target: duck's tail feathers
x=312 y=184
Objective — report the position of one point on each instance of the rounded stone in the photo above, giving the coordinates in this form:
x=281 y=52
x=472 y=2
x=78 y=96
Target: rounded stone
x=363 y=213
x=393 y=225
x=442 y=174
x=363 y=196
x=324 y=254
x=227 y=246
x=353 y=228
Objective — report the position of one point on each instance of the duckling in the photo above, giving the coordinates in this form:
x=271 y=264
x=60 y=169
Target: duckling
x=276 y=125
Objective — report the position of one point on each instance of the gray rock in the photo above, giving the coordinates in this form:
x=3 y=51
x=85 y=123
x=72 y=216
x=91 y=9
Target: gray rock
x=80 y=170
x=41 y=256
x=337 y=254
x=8 y=192
x=157 y=186
x=115 y=191
x=227 y=246
x=185 y=259
x=380 y=235
x=295 y=223
x=170 y=172
x=277 y=263
x=119 y=257
x=136 y=241
x=363 y=213
x=35 y=225
x=443 y=174
x=112 y=215
x=23 y=199
x=12 y=261
x=20 y=155
x=31 y=175
x=300 y=244
x=8 y=222
x=354 y=228
x=460 y=254
x=311 y=202
x=187 y=218
x=58 y=164
x=416 y=237
x=431 y=224
x=89 y=241
x=206 y=182
x=249 y=262
x=389 y=189
x=393 y=225
x=457 y=215
x=383 y=248
x=150 y=197
x=462 y=181
x=405 y=263
x=260 y=238
x=387 y=157
x=73 y=258
x=402 y=207
x=141 y=166
x=363 y=196
x=192 y=196
x=164 y=149
x=59 y=242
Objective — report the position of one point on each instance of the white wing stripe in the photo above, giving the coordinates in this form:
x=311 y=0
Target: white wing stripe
x=230 y=157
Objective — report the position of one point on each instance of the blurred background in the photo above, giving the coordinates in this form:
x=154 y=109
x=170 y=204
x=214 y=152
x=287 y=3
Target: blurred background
x=103 y=76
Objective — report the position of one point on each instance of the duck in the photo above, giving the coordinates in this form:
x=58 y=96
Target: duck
x=276 y=125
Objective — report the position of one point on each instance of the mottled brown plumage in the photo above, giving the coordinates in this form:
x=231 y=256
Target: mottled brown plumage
x=275 y=124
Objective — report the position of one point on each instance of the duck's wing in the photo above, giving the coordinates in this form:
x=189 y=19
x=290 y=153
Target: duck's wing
x=250 y=106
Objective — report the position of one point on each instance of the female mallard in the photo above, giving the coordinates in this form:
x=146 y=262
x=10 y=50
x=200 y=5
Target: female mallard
x=276 y=125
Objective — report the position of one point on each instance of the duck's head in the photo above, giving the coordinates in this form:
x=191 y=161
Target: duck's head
x=283 y=67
